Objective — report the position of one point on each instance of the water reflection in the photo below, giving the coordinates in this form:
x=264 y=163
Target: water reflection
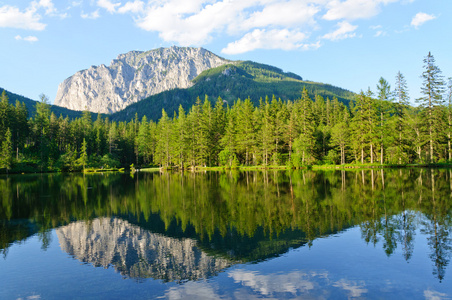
x=186 y=226
x=137 y=253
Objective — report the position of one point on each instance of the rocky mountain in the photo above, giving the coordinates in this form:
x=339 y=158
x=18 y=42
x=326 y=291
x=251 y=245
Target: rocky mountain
x=137 y=253
x=134 y=76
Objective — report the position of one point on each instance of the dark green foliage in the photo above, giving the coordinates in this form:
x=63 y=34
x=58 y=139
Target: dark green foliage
x=31 y=106
x=230 y=82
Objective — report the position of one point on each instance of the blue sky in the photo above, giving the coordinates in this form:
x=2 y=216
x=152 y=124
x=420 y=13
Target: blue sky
x=347 y=43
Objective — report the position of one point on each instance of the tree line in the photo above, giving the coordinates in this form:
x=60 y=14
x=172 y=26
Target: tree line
x=377 y=127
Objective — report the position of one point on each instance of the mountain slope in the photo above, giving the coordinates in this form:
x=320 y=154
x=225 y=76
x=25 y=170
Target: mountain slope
x=31 y=106
x=230 y=82
x=134 y=76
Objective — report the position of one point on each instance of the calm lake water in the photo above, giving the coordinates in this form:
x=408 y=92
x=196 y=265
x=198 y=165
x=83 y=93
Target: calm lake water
x=227 y=235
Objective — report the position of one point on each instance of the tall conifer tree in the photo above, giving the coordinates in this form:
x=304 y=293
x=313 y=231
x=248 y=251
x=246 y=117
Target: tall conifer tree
x=432 y=89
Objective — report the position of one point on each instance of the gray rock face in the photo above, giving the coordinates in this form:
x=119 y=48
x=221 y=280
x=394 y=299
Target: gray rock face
x=137 y=253
x=134 y=76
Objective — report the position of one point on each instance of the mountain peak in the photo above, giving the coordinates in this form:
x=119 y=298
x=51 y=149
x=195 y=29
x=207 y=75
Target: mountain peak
x=133 y=76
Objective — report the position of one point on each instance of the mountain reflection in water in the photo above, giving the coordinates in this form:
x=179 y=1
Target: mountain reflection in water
x=188 y=226
x=135 y=252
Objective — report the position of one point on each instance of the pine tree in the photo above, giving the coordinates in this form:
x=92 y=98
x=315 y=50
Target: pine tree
x=218 y=128
x=449 y=119
x=267 y=131
x=401 y=122
x=228 y=141
x=432 y=90
x=6 y=151
x=362 y=126
x=22 y=129
x=246 y=130
x=304 y=144
x=180 y=138
x=5 y=114
x=42 y=123
x=280 y=112
x=340 y=136
x=323 y=129
x=204 y=133
x=112 y=137
x=143 y=140
x=163 y=147
x=384 y=108
x=83 y=159
x=291 y=131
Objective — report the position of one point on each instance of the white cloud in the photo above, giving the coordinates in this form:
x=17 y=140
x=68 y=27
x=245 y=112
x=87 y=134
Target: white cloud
x=434 y=295
x=354 y=9
x=420 y=18
x=108 y=5
x=287 y=14
x=30 y=39
x=355 y=289
x=93 y=15
x=345 y=30
x=262 y=39
x=189 y=22
x=12 y=17
x=269 y=284
x=47 y=4
x=196 y=22
x=254 y=24
x=134 y=7
x=379 y=32
x=193 y=290
x=49 y=8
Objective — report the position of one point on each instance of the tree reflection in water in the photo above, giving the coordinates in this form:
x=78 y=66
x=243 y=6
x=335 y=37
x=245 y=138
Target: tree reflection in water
x=242 y=216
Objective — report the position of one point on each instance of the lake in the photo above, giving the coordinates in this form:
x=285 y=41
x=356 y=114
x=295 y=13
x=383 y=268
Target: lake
x=373 y=234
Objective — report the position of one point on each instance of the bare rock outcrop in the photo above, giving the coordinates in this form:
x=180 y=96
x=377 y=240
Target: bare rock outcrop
x=134 y=76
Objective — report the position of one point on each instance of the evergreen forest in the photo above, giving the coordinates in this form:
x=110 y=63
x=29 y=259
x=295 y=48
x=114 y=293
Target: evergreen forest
x=378 y=127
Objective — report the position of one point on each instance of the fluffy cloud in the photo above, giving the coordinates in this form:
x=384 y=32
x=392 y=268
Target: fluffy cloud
x=189 y=22
x=434 y=295
x=269 y=284
x=255 y=24
x=108 y=5
x=262 y=39
x=49 y=8
x=345 y=30
x=355 y=289
x=12 y=17
x=30 y=39
x=132 y=7
x=94 y=15
x=420 y=18
x=286 y=14
x=46 y=4
x=29 y=19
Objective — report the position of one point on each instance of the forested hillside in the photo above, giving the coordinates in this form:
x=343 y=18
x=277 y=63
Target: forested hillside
x=231 y=82
x=31 y=106
x=375 y=128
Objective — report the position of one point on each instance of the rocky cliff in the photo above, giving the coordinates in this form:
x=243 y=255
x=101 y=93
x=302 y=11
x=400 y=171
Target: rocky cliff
x=137 y=253
x=134 y=76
